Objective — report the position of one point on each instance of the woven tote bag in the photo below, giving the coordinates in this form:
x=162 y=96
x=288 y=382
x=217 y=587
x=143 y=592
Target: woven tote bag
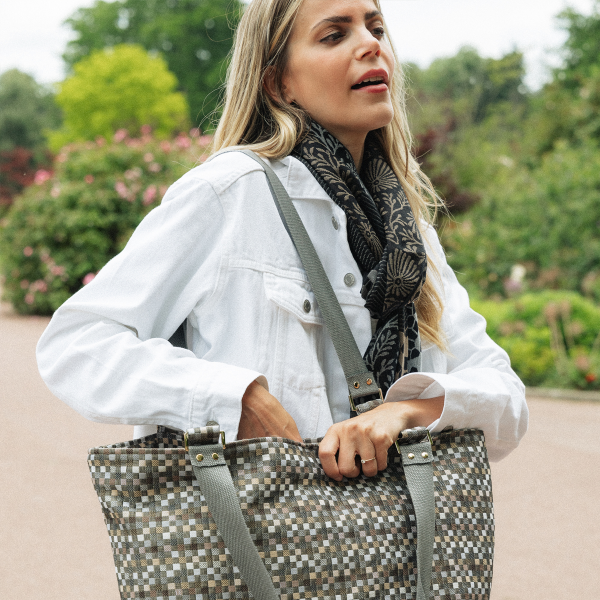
x=191 y=517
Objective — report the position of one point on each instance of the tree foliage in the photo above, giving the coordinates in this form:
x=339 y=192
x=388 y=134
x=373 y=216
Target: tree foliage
x=27 y=109
x=194 y=37
x=119 y=88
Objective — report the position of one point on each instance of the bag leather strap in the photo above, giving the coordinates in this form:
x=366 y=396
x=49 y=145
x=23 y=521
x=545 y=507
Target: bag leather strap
x=221 y=497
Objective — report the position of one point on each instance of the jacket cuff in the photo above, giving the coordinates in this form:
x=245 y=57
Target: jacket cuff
x=219 y=397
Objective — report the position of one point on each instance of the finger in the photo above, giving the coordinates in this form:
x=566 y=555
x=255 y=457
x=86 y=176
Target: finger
x=368 y=454
x=347 y=463
x=328 y=449
x=381 y=444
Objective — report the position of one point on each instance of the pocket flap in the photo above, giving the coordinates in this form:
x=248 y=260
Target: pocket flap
x=294 y=296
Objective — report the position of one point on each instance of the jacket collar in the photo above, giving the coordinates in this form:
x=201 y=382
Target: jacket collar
x=298 y=180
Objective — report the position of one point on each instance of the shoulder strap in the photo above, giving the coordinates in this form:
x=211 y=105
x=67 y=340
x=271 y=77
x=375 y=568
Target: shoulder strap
x=359 y=379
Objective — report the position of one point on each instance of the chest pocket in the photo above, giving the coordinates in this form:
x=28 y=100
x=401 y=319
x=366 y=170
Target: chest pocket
x=294 y=296
x=295 y=332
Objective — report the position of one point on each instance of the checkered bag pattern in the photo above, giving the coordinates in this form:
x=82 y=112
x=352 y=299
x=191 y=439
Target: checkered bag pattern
x=318 y=538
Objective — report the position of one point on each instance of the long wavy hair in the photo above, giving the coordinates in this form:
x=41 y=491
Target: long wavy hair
x=272 y=127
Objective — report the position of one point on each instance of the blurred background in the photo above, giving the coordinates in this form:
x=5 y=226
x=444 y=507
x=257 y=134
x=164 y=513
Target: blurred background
x=104 y=104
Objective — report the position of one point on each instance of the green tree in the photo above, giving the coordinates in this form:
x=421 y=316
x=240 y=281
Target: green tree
x=119 y=88
x=27 y=109
x=568 y=108
x=194 y=36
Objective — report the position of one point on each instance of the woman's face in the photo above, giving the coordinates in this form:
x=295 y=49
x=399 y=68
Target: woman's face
x=336 y=47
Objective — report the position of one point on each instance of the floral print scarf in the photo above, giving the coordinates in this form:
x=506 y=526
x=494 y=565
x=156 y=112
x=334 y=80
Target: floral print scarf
x=385 y=242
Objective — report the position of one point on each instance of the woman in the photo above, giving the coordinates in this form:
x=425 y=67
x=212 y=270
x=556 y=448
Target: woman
x=314 y=87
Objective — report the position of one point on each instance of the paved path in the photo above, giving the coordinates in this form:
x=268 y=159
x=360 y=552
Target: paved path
x=54 y=545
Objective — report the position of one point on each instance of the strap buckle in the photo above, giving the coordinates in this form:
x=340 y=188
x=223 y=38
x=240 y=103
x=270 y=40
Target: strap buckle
x=428 y=436
x=185 y=440
x=353 y=406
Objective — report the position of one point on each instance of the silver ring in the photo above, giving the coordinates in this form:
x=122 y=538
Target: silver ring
x=363 y=461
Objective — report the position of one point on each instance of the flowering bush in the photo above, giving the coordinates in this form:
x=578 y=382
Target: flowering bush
x=71 y=221
x=552 y=338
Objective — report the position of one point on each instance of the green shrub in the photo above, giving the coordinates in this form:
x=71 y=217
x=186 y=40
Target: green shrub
x=552 y=338
x=68 y=224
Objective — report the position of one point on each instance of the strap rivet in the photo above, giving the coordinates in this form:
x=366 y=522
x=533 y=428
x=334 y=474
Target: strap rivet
x=306 y=306
x=215 y=456
x=356 y=384
x=411 y=456
x=425 y=455
x=199 y=457
x=369 y=381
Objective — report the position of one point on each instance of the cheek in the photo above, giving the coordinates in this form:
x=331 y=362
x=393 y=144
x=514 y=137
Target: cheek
x=315 y=78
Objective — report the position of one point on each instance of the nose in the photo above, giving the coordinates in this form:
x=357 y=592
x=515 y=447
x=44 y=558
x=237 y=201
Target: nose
x=368 y=45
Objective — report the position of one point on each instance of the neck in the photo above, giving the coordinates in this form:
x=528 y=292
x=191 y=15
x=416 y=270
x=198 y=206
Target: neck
x=355 y=144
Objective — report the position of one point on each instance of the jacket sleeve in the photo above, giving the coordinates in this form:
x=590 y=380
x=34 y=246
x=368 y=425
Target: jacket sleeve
x=480 y=388
x=105 y=352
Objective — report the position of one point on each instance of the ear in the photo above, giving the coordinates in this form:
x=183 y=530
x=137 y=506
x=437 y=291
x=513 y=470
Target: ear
x=277 y=95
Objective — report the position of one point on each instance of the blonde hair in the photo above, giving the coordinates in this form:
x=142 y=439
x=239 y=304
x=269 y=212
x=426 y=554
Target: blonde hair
x=272 y=127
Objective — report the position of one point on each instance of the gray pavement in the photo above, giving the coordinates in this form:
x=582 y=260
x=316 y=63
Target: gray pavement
x=54 y=544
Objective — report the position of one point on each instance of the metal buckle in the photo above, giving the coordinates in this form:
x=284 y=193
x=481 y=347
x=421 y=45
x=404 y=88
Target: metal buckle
x=428 y=435
x=185 y=440
x=353 y=406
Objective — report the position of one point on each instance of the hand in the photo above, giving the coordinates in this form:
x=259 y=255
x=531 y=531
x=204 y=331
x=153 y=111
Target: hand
x=263 y=416
x=371 y=434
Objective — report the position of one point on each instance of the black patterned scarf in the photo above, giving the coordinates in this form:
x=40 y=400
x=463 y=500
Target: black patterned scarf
x=385 y=242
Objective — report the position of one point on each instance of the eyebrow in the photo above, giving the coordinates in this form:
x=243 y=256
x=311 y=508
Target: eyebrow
x=346 y=19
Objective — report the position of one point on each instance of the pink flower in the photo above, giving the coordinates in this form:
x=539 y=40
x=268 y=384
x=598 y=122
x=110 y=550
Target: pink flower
x=120 y=135
x=100 y=141
x=203 y=158
x=24 y=284
x=165 y=146
x=41 y=176
x=148 y=157
x=182 y=141
x=89 y=178
x=89 y=278
x=162 y=190
x=146 y=129
x=149 y=195
x=194 y=132
x=204 y=140
x=134 y=173
x=57 y=270
x=121 y=189
x=154 y=167
x=39 y=286
x=29 y=298
x=28 y=251
x=61 y=157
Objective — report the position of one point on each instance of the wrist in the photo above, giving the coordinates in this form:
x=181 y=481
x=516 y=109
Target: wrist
x=420 y=413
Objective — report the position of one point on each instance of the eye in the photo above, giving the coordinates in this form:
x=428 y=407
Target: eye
x=379 y=31
x=333 y=37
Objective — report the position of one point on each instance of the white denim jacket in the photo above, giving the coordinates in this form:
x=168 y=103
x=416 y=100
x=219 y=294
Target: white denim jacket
x=215 y=252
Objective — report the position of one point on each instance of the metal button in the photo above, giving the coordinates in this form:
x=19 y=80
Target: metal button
x=369 y=381
x=199 y=457
x=425 y=455
x=335 y=223
x=306 y=306
x=349 y=279
x=215 y=456
x=411 y=456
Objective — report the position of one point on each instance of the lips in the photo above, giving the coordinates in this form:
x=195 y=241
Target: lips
x=374 y=77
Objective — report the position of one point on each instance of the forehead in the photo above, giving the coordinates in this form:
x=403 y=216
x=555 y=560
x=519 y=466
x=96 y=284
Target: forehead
x=313 y=11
